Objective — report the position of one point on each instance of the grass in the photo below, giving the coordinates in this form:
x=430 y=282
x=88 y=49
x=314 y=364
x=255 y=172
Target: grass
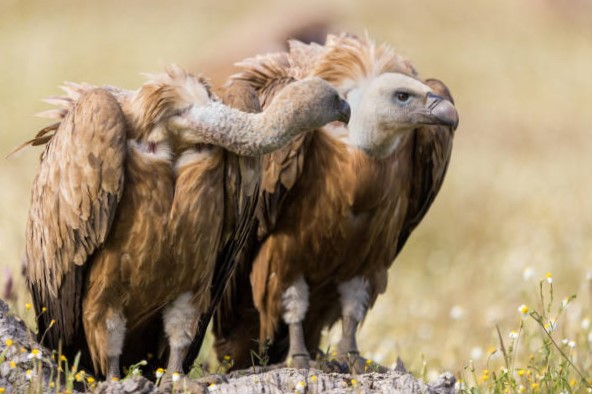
x=517 y=194
x=545 y=352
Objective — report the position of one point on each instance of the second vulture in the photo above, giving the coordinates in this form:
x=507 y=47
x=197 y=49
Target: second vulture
x=338 y=204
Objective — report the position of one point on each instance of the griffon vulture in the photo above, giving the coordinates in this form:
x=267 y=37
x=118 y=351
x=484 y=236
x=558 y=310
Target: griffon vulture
x=130 y=204
x=337 y=204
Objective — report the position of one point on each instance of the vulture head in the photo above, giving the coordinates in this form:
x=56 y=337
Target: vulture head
x=180 y=105
x=390 y=105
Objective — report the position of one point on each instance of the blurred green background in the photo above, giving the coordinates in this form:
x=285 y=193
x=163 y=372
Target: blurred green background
x=517 y=198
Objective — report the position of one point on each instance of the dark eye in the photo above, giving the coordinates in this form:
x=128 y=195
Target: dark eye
x=402 y=97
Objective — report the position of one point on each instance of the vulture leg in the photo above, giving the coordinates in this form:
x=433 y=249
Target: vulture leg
x=180 y=324
x=115 y=337
x=354 y=296
x=295 y=305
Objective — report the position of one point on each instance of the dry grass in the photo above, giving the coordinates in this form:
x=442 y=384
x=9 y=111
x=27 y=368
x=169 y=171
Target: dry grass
x=518 y=188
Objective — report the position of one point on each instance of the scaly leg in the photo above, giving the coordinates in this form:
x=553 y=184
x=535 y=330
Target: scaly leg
x=355 y=295
x=295 y=304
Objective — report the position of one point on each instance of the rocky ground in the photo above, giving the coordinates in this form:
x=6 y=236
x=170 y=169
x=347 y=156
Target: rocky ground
x=27 y=367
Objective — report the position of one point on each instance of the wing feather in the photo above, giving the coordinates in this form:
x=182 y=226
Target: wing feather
x=73 y=204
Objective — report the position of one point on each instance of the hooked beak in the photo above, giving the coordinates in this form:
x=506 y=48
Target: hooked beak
x=441 y=111
x=344 y=111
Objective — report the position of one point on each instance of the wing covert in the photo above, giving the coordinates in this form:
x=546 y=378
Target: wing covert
x=73 y=204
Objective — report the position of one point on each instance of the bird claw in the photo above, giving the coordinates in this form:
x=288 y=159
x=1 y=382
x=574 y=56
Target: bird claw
x=354 y=363
x=299 y=361
x=211 y=380
x=330 y=366
x=184 y=384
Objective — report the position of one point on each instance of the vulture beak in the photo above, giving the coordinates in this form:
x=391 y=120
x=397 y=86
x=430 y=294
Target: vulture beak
x=441 y=111
x=344 y=111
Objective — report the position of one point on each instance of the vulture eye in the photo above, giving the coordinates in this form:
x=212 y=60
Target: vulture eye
x=402 y=97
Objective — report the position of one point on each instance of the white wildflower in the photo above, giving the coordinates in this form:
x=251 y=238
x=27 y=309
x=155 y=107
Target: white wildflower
x=528 y=273
x=457 y=312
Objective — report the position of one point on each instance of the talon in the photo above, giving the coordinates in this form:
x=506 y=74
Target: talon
x=299 y=361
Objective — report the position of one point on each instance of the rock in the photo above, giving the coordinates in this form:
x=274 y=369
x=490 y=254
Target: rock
x=135 y=385
x=273 y=379
x=24 y=358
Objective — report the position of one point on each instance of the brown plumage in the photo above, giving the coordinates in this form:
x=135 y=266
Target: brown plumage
x=134 y=198
x=339 y=203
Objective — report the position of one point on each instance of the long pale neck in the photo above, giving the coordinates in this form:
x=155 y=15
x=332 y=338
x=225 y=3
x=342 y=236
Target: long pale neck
x=242 y=133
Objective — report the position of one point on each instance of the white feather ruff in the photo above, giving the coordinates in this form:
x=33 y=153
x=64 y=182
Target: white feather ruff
x=115 y=334
x=180 y=321
x=295 y=301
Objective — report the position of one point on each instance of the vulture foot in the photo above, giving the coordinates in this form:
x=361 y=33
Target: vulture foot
x=299 y=361
x=329 y=366
x=356 y=364
x=211 y=379
x=170 y=385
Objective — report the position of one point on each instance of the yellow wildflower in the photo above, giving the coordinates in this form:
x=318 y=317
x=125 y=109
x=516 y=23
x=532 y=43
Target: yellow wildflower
x=521 y=372
x=159 y=373
x=35 y=353
x=63 y=358
x=354 y=382
x=534 y=386
x=8 y=342
x=551 y=325
x=523 y=309
x=313 y=378
x=227 y=358
x=485 y=376
x=79 y=376
x=521 y=389
x=52 y=322
x=300 y=387
x=114 y=379
x=43 y=309
x=28 y=306
x=90 y=379
x=51 y=384
x=2 y=390
x=12 y=364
